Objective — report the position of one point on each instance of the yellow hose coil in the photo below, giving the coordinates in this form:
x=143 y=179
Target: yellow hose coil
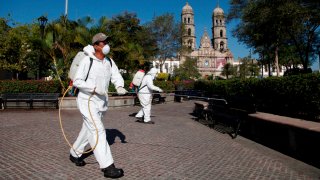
x=61 y=126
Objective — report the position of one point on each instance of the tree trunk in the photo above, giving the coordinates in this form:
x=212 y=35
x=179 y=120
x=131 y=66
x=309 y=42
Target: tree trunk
x=56 y=68
x=276 y=60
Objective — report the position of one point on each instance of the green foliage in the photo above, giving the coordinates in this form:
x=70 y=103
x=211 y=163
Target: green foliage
x=248 y=68
x=167 y=34
x=29 y=86
x=184 y=85
x=162 y=76
x=228 y=70
x=165 y=85
x=131 y=44
x=278 y=26
x=188 y=70
x=296 y=96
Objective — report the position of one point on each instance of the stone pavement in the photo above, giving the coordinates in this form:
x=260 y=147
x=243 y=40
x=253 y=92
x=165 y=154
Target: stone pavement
x=176 y=147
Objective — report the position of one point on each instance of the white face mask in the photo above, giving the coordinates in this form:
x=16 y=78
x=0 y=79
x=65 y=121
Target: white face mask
x=106 y=49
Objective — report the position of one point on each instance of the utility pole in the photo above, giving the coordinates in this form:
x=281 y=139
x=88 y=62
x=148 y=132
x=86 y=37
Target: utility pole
x=66 y=9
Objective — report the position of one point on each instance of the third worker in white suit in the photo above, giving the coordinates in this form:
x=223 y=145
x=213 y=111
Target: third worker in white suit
x=145 y=96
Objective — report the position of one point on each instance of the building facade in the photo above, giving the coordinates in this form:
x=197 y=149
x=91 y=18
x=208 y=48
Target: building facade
x=213 y=53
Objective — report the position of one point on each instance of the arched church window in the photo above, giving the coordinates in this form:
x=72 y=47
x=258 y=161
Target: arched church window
x=220 y=22
x=216 y=22
x=188 y=20
x=190 y=44
x=221 y=33
x=189 y=32
x=185 y=20
x=221 y=45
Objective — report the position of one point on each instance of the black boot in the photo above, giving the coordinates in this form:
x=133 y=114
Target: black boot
x=78 y=161
x=112 y=172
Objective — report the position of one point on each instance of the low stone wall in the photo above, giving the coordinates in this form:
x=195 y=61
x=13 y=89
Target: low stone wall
x=114 y=101
x=295 y=137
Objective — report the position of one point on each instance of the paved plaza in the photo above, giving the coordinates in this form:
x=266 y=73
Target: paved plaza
x=175 y=147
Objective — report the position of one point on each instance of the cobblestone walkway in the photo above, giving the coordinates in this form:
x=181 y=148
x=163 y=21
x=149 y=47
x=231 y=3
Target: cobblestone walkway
x=175 y=147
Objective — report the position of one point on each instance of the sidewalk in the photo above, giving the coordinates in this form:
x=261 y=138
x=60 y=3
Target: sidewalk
x=175 y=147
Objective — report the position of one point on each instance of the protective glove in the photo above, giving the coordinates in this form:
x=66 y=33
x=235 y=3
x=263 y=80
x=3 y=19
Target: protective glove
x=159 y=90
x=121 y=91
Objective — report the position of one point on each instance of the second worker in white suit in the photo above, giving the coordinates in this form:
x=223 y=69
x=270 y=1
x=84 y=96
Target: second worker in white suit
x=145 y=96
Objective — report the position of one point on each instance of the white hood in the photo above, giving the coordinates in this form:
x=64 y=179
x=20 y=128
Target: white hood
x=89 y=50
x=153 y=72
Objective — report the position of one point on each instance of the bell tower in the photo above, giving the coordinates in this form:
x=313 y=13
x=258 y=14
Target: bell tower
x=219 y=31
x=187 y=18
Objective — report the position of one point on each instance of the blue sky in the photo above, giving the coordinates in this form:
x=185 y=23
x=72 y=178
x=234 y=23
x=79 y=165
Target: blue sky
x=27 y=11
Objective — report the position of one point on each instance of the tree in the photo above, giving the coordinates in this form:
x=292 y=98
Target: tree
x=187 y=70
x=229 y=70
x=168 y=37
x=60 y=44
x=18 y=50
x=132 y=44
x=248 y=68
x=275 y=25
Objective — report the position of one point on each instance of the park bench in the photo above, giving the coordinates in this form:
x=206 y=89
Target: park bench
x=158 y=99
x=224 y=115
x=30 y=100
x=201 y=112
x=1 y=102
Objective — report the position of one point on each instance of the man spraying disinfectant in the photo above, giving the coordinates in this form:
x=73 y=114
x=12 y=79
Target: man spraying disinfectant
x=93 y=86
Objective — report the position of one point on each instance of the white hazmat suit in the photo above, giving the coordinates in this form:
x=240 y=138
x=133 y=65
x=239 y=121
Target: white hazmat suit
x=145 y=94
x=100 y=75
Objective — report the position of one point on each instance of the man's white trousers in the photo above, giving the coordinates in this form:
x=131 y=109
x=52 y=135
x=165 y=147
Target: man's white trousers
x=88 y=134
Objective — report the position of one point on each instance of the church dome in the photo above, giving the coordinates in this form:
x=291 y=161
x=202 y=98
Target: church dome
x=218 y=11
x=187 y=8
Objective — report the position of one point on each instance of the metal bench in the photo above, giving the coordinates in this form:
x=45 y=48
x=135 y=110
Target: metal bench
x=201 y=112
x=20 y=99
x=158 y=99
x=45 y=98
x=227 y=115
x=29 y=99
x=224 y=115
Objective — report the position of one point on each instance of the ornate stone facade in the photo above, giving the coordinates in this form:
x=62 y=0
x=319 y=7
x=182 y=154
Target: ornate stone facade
x=213 y=53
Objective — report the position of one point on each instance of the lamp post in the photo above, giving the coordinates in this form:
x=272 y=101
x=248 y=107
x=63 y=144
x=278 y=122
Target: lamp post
x=318 y=48
x=42 y=22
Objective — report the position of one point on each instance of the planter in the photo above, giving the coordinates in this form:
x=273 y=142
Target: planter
x=114 y=101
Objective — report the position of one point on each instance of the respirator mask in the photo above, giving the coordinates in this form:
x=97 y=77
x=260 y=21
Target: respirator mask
x=106 y=49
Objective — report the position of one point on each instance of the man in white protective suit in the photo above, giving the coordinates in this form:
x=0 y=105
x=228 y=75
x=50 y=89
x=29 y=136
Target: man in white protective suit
x=145 y=96
x=102 y=71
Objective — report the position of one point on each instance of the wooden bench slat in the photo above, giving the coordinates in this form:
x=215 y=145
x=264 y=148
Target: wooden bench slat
x=29 y=98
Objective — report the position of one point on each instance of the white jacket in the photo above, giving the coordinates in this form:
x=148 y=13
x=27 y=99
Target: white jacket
x=147 y=82
x=100 y=75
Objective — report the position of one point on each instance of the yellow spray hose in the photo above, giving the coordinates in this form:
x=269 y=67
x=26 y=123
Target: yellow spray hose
x=61 y=126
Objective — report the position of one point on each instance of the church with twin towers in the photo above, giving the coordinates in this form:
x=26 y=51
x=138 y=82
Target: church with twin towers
x=213 y=53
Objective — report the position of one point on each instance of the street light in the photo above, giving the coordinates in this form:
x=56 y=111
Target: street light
x=318 y=48
x=42 y=22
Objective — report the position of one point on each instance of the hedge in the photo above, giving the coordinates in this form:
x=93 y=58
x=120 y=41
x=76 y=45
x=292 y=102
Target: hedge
x=29 y=86
x=295 y=96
